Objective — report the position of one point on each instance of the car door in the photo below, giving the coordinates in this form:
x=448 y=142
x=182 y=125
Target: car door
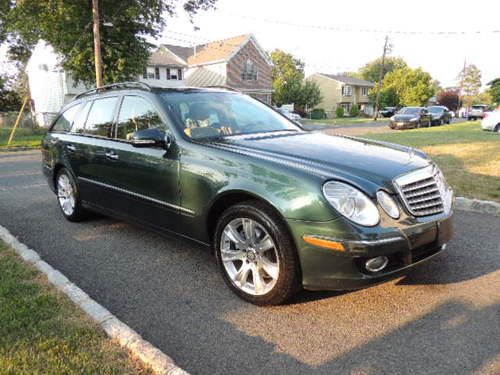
x=425 y=117
x=90 y=153
x=144 y=181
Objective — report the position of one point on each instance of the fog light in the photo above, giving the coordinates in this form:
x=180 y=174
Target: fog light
x=376 y=264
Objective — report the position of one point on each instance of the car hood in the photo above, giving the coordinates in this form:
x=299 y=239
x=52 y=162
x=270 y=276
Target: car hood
x=365 y=163
x=404 y=117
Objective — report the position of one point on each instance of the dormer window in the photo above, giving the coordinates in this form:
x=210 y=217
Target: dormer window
x=250 y=71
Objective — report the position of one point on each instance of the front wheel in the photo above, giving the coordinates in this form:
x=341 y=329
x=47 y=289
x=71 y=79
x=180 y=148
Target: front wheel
x=256 y=254
x=68 y=196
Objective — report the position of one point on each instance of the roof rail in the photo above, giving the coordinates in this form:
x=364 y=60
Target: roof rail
x=229 y=88
x=113 y=86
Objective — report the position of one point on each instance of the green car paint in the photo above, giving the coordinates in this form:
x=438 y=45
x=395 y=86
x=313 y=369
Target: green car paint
x=184 y=189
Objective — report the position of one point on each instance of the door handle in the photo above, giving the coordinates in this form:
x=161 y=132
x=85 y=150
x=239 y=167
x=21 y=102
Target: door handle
x=111 y=155
x=71 y=148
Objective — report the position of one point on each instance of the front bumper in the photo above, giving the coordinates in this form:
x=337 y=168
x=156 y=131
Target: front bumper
x=405 y=247
x=402 y=124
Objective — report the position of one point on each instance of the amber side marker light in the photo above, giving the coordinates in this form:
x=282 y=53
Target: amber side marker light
x=321 y=242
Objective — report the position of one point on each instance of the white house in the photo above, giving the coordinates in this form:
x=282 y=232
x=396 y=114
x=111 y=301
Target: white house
x=51 y=87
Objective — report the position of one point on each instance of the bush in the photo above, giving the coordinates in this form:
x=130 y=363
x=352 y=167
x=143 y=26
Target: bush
x=339 y=112
x=318 y=114
x=354 y=111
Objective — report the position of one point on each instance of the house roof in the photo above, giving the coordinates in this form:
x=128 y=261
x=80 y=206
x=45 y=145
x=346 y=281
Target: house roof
x=205 y=77
x=219 y=50
x=182 y=52
x=164 y=57
x=348 y=80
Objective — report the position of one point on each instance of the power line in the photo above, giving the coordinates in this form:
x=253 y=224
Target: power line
x=364 y=30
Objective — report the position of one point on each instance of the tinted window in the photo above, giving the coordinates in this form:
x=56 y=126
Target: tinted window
x=65 y=120
x=80 y=119
x=100 y=118
x=136 y=114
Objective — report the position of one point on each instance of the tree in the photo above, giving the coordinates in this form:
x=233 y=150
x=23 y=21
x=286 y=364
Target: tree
x=494 y=91
x=9 y=98
x=310 y=95
x=407 y=86
x=449 y=98
x=470 y=83
x=287 y=76
x=66 y=25
x=371 y=70
x=288 y=82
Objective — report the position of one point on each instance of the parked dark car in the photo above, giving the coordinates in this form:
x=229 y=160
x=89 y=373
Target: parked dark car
x=388 y=111
x=282 y=208
x=440 y=115
x=410 y=118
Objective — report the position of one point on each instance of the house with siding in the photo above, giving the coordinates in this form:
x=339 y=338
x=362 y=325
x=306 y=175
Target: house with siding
x=343 y=91
x=238 y=62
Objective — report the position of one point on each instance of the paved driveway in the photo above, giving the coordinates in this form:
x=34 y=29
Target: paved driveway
x=443 y=318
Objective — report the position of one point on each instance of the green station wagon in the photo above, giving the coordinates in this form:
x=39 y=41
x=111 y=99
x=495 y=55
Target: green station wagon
x=282 y=208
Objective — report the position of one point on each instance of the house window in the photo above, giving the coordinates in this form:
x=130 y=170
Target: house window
x=174 y=74
x=150 y=73
x=250 y=71
x=364 y=91
x=346 y=90
x=346 y=106
x=157 y=72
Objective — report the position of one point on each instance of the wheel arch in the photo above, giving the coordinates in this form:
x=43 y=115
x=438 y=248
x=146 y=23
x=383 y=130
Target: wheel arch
x=230 y=198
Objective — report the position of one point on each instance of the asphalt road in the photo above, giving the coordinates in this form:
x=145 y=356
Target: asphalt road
x=443 y=318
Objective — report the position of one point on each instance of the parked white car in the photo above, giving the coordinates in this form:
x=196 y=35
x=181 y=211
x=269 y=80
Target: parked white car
x=290 y=115
x=491 y=121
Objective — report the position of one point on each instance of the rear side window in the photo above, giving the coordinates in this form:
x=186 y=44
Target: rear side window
x=100 y=118
x=64 y=121
x=136 y=114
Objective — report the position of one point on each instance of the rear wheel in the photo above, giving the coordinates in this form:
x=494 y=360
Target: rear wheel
x=497 y=128
x=68 y=196
x=256 y=254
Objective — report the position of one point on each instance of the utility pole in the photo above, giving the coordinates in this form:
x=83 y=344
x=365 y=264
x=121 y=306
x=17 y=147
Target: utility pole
x=381 y=75
x=97 y=44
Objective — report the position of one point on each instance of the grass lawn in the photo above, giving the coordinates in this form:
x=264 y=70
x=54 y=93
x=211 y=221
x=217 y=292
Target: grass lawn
x=468 y=156
x=42 y=332
x=24 y=137
x=343 y=121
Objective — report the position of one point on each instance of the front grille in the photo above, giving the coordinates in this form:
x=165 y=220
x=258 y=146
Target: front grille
x=422 y=191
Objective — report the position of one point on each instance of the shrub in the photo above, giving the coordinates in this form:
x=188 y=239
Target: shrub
x=354 y=111
x=339 y=112
x=318 y=114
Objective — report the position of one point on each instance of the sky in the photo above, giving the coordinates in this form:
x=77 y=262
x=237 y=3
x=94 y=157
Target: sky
x=338 y=36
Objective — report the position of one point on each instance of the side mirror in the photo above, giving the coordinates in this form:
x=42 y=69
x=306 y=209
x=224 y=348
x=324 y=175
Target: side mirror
x=152 y=137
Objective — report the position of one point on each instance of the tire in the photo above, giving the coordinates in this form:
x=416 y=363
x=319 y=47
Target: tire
x=238 y=256
x=497 y=128
x=68 y=196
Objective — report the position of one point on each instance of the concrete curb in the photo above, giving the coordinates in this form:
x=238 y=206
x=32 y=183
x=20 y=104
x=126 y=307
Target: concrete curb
x=476 y=205
x=126 y=337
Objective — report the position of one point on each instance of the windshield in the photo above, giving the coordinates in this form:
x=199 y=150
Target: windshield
x=478 y=107
x=435 y=109
x=220 y=114
x=409 y=111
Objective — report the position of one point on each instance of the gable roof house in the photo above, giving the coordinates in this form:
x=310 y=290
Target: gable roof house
x=238 y=62
x=343 y=91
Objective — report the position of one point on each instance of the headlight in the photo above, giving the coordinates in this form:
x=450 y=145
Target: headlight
x=393 y=118
x=414 y=119
x=351 y=203
x=388 y=204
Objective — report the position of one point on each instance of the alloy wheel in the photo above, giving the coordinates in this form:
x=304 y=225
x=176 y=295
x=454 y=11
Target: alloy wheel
x=66 y=194
x=249 y=256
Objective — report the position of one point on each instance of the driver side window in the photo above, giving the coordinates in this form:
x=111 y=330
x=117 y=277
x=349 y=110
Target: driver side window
x=136 y=114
